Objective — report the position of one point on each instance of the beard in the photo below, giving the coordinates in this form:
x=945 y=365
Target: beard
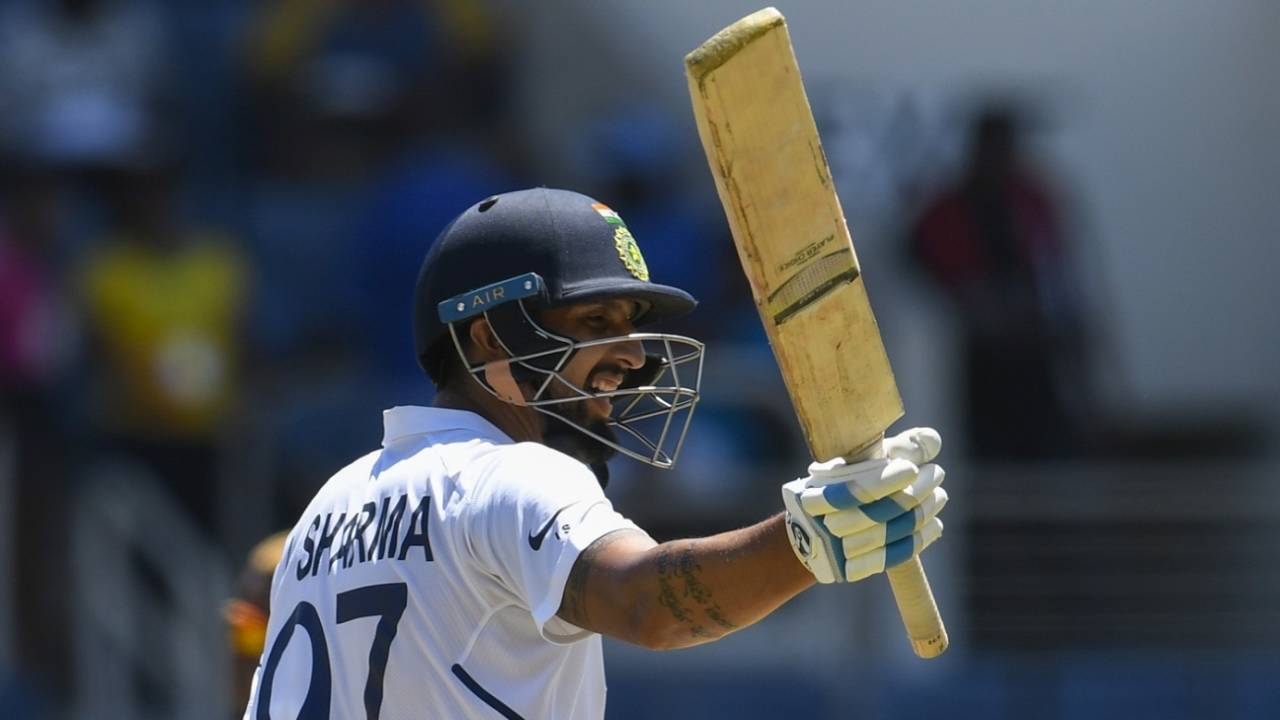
x=571 y=441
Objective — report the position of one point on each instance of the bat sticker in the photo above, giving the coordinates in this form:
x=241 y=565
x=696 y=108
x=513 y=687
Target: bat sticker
x=804 y=288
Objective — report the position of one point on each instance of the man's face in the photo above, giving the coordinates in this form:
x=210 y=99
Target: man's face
x=600 y=368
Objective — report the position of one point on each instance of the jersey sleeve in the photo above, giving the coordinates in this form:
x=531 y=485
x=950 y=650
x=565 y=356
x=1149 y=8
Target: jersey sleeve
x=535 y=510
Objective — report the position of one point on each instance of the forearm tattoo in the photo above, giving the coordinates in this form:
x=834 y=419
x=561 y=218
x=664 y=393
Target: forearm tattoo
x=682 y=592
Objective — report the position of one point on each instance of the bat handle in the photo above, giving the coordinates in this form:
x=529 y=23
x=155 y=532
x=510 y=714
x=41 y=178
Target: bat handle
x=911 y=590
x=919 y=612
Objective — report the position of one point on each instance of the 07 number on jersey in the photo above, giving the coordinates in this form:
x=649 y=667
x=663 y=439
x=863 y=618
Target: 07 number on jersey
x=386 y=602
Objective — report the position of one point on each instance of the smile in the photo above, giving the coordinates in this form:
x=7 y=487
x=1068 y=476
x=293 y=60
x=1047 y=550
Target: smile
x=606 y=381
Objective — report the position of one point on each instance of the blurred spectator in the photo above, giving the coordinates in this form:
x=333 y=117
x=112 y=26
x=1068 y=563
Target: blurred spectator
x=36 y=344
x=246 y=616
x=83 y=83
x=34 y=313
x=164 y=303
x=994 y=243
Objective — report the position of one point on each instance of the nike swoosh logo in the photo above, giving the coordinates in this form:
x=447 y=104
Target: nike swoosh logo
x=535 y=541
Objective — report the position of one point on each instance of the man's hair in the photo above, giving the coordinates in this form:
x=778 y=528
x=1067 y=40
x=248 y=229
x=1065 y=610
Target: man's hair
x=437 y=360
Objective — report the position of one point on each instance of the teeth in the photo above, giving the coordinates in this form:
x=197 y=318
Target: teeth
x=604 y=385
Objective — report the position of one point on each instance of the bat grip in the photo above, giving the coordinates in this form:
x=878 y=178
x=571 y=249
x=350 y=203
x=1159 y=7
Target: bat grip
x=919 y=612
x=911 y=591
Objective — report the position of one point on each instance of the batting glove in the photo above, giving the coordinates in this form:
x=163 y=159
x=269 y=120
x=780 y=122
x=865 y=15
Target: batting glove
x=849 y=521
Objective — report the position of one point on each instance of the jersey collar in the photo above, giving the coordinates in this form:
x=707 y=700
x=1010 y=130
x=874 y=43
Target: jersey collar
x=405 y=420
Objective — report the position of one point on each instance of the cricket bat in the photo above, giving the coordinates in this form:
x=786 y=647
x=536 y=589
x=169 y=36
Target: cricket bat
x=776 y=188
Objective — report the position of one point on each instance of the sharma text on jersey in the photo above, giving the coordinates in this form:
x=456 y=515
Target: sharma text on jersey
x=373 y=533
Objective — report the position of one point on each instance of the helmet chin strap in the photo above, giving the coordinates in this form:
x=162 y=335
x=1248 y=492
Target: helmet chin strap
x=498 y=375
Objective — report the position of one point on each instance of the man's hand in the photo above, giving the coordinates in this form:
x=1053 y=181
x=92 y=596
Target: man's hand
x=847 y=522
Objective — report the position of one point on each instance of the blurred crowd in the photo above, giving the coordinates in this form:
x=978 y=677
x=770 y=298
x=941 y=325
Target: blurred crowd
x=212 y=216
x=211 y=219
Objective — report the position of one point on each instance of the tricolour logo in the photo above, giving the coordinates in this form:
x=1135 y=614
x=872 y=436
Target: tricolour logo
x=608 y=214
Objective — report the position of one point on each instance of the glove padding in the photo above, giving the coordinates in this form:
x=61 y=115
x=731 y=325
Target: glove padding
x=847 y=522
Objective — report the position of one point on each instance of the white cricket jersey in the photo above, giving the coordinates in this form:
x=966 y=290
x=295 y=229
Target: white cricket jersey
x=424 y=578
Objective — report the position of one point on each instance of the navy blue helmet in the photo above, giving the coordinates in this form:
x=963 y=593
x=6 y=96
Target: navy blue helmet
x=510 y=255
x=579 y=247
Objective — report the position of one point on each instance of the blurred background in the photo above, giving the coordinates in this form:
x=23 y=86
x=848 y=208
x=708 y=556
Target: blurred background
x=212 y=214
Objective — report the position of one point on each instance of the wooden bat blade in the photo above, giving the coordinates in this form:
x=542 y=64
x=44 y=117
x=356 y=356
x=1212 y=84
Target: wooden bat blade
x=776 y=188
x=774 y=183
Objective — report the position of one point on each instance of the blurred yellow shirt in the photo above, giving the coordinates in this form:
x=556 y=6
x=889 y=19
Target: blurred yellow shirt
x=167 y=321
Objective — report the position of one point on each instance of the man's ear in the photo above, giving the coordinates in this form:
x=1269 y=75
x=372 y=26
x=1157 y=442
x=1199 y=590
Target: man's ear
x=484 y=342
